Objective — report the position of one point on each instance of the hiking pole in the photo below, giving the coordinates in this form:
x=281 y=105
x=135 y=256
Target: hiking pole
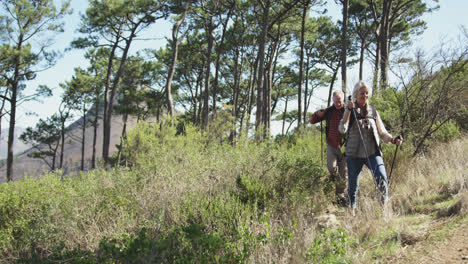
x=363 y=144
x=360 y=134
x=321 y=142
x=393 y=162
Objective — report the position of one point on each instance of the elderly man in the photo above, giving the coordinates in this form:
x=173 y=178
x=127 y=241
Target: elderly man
x=336 y=161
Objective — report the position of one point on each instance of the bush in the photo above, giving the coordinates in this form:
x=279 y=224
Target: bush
x=252 y=191
x=448 y=131
x=27 y=215
x=330 y=246
x=184 y=198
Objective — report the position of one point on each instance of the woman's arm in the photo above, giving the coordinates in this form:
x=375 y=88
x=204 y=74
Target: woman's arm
x=383 y=133
x=343 y=126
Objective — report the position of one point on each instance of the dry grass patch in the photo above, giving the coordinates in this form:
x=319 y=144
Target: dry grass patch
x=425 y=191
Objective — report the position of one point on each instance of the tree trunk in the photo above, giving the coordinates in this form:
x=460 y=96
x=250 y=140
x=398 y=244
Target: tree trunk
x=384 y=36
x=361 y=58
x=62 y=146
x=274 y=51
x=268 y=85
x=95 y=126
x=259 y=122
x=206 y=94
x=115 y=84
x=267 y=101
x=11 y=131
x=273 y=62
x=344 y=41
x=63 y=119
x=220 y=51
x=196 y=101
x=199 y=93
x=375 y=80
x=105 y=138
x=175 y=45
x=13 y=101
x=252 y=81
x=83 y=138
x=1 y=110
x=289 y=126
x=284 y=114
x=54 y=157
x=233 y=135
x=306 y=91
x=335 y=72
x=122 y=138
x=200 y=102
x=301 y=65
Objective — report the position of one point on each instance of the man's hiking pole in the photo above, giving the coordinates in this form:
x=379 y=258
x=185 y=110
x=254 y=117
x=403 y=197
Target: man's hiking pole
x=393 y=162
x=321 y=142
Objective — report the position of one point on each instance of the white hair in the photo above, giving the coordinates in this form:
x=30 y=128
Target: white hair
x=338 y=93
x=358 y=86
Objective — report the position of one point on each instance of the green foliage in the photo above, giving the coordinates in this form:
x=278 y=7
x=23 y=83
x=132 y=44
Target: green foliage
x=23 y=23
x=386 y=103
x=26 y=30
x=447 y=131
x=302 y=173
x=250 y=190
x=330 y=246
x=220 y=128
x=186 y=199
x=27 y=214
x=411 y=121
x=44 y=138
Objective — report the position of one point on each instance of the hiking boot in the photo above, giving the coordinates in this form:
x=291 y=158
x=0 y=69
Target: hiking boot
x=341 y=200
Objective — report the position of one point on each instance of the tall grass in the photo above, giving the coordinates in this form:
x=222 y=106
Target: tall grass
x=188 y=198
x=438 y=175
x=423 y=189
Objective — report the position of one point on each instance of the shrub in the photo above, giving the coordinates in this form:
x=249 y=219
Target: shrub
x=330 y=246
x=184 y=198
x=27 y=215
x=448 y=131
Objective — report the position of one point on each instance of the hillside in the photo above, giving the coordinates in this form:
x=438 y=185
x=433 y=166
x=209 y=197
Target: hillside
x=18 y=145
x=25 y=165
x=185 y=198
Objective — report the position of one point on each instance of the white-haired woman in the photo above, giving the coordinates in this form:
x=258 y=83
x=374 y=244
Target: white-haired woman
x=362 y=146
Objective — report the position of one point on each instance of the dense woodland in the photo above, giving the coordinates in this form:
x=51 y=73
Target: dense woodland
x=230 y=65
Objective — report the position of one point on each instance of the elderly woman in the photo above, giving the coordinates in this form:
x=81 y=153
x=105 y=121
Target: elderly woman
x=362 y=146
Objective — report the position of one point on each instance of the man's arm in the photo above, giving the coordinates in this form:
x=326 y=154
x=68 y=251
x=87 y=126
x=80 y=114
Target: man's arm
x=318 y=116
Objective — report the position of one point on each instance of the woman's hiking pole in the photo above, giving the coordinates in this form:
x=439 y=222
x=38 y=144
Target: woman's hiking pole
x=393 y=162
x=360 y=134
x=363 y=144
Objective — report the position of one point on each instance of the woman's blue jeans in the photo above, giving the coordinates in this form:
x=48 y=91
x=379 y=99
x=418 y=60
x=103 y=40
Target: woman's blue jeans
x=354 y=171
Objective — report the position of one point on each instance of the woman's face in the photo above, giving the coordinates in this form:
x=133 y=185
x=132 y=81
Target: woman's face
x=363 y=96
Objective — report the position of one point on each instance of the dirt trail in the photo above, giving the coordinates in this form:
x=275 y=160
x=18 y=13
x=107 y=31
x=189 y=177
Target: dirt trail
x=453 y=248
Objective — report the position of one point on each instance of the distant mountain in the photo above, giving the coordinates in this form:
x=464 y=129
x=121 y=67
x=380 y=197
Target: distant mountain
x=23 y=164
x=18 y=145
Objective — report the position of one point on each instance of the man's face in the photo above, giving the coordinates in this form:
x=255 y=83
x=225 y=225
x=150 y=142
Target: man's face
x=338 y=102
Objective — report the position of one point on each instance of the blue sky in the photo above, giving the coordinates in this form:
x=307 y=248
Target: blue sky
x=442 y=25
